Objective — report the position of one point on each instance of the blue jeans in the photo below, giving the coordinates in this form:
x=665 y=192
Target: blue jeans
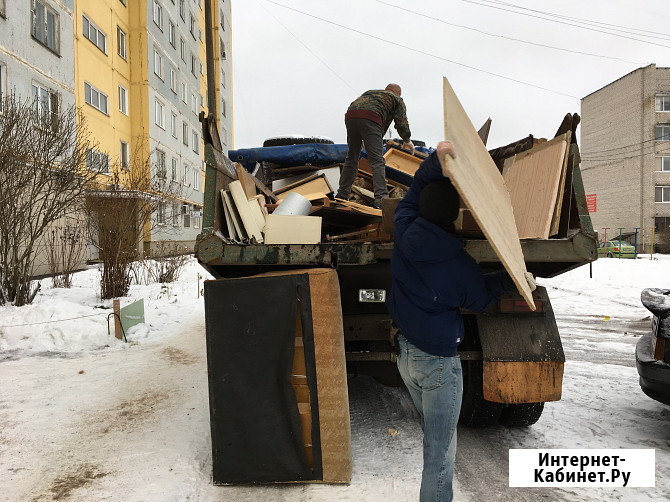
x=436 y=386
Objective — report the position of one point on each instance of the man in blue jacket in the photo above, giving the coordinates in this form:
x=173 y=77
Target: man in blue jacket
x=433 y=277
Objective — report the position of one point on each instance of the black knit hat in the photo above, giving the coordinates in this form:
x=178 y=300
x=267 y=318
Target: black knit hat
x=439 y=203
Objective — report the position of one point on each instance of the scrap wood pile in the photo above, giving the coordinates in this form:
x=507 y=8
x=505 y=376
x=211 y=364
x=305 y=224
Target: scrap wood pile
x=294 y=203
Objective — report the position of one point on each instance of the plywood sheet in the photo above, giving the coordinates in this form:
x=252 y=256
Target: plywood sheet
x=480 y=184
x=244 y=210
x=234 y=215
x=523 y=382
x=318 y=184
x=533 y=179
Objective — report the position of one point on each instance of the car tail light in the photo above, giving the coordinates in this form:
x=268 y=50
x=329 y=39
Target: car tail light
x=372 y=295
x=510 y=305
x=616 y=249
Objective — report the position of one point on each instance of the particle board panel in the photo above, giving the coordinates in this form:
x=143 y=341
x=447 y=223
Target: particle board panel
x=257 y=212
x=245 y=178
x=533 y=179
x=480 y=184
x=229 y=219
x=319 y=184
x=566 y=180
x=292 y=229
x=243 y=208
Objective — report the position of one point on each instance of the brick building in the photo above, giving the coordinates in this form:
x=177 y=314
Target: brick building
x=625 y=147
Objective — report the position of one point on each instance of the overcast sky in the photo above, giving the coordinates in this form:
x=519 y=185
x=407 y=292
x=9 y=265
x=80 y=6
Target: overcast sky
x=297 y=64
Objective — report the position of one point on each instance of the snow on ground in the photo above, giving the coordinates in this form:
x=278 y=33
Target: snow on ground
x=84 y=416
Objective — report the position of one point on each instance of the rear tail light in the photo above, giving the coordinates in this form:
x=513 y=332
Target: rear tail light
x=509 y=305
x=372 y=295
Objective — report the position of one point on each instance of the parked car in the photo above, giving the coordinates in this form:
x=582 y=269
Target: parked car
x=613 y=248
x=652 y=352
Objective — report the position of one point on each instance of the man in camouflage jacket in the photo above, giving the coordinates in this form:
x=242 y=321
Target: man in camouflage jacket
x=367 y=119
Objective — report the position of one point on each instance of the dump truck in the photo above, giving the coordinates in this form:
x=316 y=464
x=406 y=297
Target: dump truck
x=512 y=356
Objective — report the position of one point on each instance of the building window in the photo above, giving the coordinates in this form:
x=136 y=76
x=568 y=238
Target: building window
x=194 y=103
x=196 y=179
x=224 y=136
x=222 y=20
x=182 y=49
x=45 y=107
x=182 y=10
x=95 y=34
x=663 y=102
x=202 y=101
x=46 y=25
x=665 y=163
x=121 y=42
x=223 y=50
x=184 y=97
x=662 y=132
x=223 y=78
x=175 y=170
x=97 y=161
x=158 y=64
x=184 y=174
x=96 y=98
x=123 y=2
x=3 y=77
x=160 y=114
x=160 y=164
x=160 y=213
x=193 y=64
x=158 y=14
x=123 y=100
x=192 y=24
x=172 y=34
x=173 y=79
x=2 y=8
x=173 y=124
x=223 y=107
x=184 y=133
x=186 y=213
x=662 y=194
x=175 y=214
x=124 y=155
x=196 y=142
x=196 y=219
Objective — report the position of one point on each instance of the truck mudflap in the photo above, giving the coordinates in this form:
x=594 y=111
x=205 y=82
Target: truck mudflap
x=522 y=354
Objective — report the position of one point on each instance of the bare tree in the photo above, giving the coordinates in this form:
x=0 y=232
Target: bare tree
x=66 y=249
x=43 y=176
x=123 y=213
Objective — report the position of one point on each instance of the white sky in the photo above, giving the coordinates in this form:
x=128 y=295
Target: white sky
x=296 y=74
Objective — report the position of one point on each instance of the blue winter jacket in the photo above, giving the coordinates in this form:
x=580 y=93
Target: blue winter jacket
x=433 y=276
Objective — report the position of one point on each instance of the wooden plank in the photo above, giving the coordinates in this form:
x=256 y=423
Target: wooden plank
x=244 y=178
x=478 y=181
x=369 y=195
x=533 y=178
x=360 y=207
x=242 y=205
x=232 y=234
x=318 y=184
x=264 y=189
x=402 y=161
x=296 y=184
x=234 y=216
x=365 y=172
x=522 y=382
x=257 y=212
x=292 y=229
x=556 y=218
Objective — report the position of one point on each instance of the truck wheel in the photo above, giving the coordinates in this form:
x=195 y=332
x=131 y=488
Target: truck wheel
x=286 y=141
x=475 y=410
x=521 y=415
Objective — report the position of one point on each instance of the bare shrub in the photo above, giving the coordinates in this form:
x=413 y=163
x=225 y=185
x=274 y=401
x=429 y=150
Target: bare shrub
x=167 y=262
x=66 y=247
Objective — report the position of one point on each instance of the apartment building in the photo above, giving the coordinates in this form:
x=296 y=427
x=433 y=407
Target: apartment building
x=140 y=76
x=625 y=148
x=37 y=65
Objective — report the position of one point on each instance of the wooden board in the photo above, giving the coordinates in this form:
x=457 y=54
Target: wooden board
x=318 y=184
x=292 y=229
x=402 y=161
x=478 y=181
x=244 y=178
x=558 y=208
x=247 y=217
x=234 y=215
x=257 y=212
x=533 y=179
x=522 y=382
x=232 y=234
x=360 y=207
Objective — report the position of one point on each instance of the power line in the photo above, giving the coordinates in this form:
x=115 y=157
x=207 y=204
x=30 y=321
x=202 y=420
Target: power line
x=49 y=322
x=424 y=52
x=506 y=37
x=565 y=23
x=306 y=47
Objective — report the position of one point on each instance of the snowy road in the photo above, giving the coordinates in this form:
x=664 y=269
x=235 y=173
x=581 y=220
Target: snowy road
x=131 y=422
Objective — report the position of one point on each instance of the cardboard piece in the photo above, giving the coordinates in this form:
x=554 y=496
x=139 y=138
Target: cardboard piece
x=244 y=210
x=234 y=215
x=480 y=184
x=292 y=229
x=534 y=180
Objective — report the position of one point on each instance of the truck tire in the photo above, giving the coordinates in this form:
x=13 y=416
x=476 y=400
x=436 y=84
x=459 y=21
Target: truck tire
x=475 y=410
x=297 y=141
x=521 y=415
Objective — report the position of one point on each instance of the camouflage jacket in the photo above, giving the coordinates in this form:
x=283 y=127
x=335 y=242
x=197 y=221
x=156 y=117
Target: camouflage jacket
x=388 y=106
